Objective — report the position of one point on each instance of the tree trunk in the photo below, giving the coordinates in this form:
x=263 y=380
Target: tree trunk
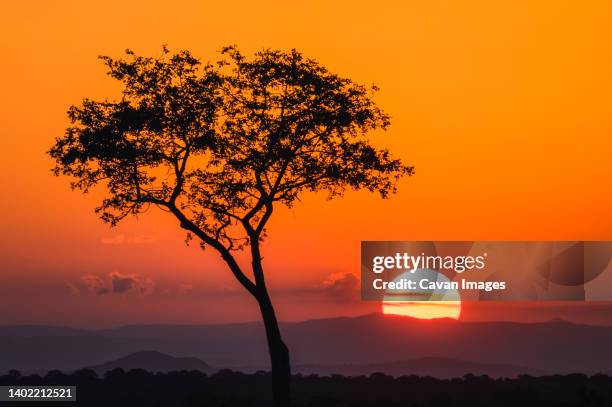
x=279 y=353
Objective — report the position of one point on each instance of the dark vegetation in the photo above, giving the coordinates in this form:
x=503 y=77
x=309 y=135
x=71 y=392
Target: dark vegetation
x=227 y=388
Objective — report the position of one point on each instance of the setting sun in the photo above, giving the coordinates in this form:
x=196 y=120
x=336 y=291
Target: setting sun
x=423 y=309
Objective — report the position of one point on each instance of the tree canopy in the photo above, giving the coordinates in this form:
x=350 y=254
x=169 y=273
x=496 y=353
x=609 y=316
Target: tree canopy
x=219 y=145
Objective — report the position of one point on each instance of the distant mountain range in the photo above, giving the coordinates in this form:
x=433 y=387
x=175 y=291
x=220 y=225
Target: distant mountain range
x=153 y=361
x=397 y=345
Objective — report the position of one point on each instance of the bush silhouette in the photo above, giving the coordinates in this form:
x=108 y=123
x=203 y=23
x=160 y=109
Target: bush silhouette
x=226 y=388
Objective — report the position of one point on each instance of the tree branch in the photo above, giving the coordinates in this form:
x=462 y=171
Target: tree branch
x=225 y=253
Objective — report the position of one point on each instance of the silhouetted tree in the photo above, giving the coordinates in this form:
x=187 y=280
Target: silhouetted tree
x=219 y=146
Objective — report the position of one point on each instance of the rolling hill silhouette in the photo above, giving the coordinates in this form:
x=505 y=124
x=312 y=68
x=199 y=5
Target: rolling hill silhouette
x=553 y=347
x=153 y=361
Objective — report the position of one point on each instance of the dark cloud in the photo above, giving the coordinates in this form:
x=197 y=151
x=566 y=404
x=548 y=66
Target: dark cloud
x=342 y=287
x=93 y=285
x=116 y=283
x=122 y=284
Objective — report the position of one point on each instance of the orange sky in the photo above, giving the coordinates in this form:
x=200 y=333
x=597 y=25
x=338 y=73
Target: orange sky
x=503 y=107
